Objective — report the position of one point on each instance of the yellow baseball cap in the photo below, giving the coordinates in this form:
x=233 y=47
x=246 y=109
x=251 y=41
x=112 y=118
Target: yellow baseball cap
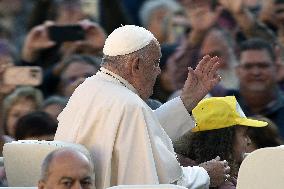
x=220 y=112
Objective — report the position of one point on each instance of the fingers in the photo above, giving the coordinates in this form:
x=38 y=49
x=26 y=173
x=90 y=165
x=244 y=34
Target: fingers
x=190 y=75
x=227 y=177
x=208 y=65
x=48 y=23
x=225 y=163
x=215 y=65
x=217 y=158
x=212 y=67
x=202 y=64
x=227 y=169
x=87 y=24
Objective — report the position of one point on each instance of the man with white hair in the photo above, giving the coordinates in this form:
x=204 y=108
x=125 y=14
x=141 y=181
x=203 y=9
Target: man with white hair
x=108 y=114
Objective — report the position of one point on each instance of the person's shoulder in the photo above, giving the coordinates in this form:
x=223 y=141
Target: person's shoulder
x=96 y=89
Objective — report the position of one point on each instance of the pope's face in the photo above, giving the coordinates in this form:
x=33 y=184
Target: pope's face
x=150 y=70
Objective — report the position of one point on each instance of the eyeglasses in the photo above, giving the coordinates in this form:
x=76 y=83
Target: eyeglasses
x=260 y=65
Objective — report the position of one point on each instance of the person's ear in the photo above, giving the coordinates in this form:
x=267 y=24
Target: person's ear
x=41 y=184
x=135 y=65
x=248 y=141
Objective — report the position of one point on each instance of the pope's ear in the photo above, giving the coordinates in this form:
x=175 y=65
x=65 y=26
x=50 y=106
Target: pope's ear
x=134 y=63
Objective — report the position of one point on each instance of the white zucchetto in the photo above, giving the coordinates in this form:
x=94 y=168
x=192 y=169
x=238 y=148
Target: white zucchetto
x=127 y=39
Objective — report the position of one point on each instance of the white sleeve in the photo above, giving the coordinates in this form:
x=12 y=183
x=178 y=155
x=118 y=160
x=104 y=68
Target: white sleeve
x=194 y=178
x=174 y=118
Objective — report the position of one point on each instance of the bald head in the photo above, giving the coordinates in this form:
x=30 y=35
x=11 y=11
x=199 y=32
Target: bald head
x=66 y=166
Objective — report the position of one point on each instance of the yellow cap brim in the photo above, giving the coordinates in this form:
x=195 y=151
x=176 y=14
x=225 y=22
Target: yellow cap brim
x=239 y=121
x=251 y=122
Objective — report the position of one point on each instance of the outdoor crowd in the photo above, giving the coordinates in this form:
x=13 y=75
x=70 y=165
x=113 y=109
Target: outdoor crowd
x=167 y=104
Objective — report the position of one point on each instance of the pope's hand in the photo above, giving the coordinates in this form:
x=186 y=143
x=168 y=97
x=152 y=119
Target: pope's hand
x=217 y=170
x=200 y=81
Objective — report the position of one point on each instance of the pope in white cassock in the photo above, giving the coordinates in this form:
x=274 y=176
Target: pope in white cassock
x=130 y=142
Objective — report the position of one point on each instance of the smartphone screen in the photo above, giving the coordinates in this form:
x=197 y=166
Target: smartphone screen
x=61 y=34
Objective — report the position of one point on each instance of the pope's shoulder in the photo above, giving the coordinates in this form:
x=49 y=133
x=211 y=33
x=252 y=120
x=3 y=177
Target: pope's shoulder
x=94 y=88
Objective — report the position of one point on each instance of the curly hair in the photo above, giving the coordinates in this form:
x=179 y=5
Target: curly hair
x=206 y=145
x=265 y=136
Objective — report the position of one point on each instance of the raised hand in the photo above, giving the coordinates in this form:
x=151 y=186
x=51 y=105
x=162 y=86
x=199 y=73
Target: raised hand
x=95 y=35
x=92 y=44
x=36 y=40
x=200 y=81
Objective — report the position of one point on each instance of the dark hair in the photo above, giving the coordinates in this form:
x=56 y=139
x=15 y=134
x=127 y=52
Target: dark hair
x=206 y=145
x=265 y=136
x=257 y=44
x=26 y=92
x=88 y=59
x=60 y=100
x=37 y=123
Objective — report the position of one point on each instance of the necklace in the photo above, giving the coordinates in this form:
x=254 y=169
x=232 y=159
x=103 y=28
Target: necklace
x=109 y=74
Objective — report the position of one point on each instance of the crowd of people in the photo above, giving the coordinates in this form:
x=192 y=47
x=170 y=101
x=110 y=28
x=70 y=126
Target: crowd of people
x=127 y=80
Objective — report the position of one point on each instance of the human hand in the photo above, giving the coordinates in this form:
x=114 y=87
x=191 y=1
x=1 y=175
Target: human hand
x=92 y=44
x=36 y=40
x=95 y=35
x=200 y=81
x=217 y=170
x=235 y=6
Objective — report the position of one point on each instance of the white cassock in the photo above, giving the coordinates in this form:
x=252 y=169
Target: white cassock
x=125 y=136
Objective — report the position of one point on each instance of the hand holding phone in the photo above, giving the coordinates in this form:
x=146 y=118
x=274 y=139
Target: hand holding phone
x=37 y=40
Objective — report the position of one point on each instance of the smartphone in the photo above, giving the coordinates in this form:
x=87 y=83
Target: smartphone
x=61 y=34
x=23 y=75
